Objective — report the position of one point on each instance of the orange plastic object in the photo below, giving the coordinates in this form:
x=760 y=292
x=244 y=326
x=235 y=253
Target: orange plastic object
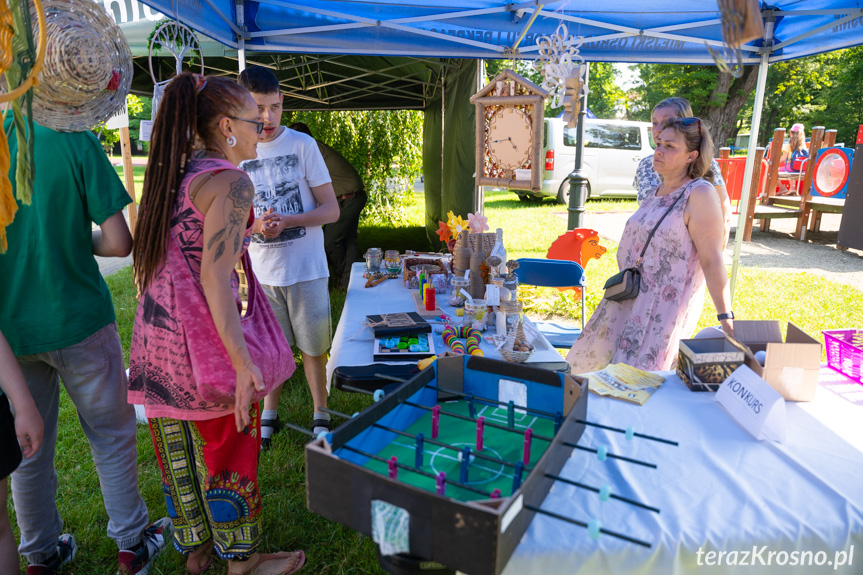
x=580 y=245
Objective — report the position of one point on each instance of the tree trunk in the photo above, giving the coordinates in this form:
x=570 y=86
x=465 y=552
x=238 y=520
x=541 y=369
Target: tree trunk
x=734 y=92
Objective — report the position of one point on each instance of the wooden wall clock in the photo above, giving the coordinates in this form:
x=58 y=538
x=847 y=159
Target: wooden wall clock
x=509 y=118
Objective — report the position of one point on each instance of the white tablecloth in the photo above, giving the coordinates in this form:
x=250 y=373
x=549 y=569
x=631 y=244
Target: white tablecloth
x=353 y=345
x=720 y=490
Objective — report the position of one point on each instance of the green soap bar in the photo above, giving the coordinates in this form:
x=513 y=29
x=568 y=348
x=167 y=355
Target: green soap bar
x=403 y=345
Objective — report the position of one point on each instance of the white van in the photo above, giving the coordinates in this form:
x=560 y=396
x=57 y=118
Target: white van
x=612 y=150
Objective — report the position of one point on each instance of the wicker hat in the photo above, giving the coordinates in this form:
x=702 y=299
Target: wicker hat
x=88 y=67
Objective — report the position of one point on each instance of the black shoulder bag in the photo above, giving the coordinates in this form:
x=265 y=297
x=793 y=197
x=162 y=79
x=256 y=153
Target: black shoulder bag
x=626 y=284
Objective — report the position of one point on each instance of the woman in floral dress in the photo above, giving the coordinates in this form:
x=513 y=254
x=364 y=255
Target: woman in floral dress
x=683 y=255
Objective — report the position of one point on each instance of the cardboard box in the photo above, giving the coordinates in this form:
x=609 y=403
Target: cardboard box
x=703 y=364
x=791 y=367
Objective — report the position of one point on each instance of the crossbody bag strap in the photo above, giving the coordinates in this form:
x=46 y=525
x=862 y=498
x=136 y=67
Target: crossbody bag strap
x=656 y=227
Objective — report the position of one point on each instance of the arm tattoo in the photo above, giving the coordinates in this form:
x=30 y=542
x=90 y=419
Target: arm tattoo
x=238 y=203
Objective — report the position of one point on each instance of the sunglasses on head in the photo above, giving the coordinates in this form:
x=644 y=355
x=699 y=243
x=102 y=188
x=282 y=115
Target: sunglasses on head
x=689 y=122
x=259 y=126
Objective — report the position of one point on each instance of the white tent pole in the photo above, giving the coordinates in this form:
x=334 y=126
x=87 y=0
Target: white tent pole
x=241 y=38
x=478 y=191
x=750 y=153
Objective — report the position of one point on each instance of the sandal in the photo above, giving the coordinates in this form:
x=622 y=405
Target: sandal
x=267 y=557
x=276 y=424
x=206 y=566
x=317 y=424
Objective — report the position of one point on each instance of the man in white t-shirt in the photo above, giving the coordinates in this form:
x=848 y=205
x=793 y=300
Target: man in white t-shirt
x=293 y=198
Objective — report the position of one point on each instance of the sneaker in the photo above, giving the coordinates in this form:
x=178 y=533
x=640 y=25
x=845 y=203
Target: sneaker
x=139 y=560
x=66 y=549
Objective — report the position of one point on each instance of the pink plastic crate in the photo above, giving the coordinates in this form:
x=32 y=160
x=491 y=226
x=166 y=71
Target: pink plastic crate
x=843 y=354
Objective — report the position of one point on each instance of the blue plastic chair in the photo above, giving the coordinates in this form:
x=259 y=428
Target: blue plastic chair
x=554 y=273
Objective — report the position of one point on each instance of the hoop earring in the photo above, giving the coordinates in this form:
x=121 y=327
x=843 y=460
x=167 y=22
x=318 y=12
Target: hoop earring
x=231 y=140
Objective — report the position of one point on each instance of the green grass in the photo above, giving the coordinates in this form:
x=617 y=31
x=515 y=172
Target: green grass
x=138 y=174
x=807 y=300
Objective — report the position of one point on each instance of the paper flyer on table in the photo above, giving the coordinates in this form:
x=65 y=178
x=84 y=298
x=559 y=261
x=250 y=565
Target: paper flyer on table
x=624 y=382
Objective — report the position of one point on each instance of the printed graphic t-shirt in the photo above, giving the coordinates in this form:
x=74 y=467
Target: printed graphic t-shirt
x=283 y=173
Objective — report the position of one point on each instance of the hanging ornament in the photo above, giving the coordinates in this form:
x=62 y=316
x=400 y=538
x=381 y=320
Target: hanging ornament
x=573 y=88
x=559 y=60
x=181 y=42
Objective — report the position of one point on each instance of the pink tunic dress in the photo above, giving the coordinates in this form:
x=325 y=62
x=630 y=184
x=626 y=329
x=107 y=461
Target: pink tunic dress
x=160 y=375
x=645 y=331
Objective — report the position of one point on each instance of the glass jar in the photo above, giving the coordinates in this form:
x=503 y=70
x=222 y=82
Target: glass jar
x=510 y=282
x=512 y=312
x=456 y=298
x=373 y=259
x=474 y=311
x=393 y=262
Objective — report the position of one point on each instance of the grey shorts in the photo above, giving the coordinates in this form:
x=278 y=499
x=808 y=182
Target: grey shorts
x=303 y=311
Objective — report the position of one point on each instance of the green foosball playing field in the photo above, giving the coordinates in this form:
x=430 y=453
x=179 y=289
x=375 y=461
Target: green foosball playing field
x=503 y=450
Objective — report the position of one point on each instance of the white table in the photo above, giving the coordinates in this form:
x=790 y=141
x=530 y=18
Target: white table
x=352 y=345
x=720 y=490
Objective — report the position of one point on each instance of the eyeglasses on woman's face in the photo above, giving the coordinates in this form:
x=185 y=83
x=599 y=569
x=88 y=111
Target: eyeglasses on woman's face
x=259 y=126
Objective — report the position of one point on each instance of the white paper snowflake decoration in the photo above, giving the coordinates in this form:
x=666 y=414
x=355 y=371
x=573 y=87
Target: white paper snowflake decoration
x=560 y=64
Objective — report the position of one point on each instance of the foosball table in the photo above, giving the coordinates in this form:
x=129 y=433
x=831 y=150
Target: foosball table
x=453 y=465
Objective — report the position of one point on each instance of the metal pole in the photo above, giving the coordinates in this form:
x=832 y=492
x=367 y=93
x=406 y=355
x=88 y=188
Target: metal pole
x=241 y=40
x=750 y=153
x=578 y=184
x=479 y=191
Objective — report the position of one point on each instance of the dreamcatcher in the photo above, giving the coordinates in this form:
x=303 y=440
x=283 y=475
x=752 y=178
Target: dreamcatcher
x=741 y=23
x=563 y=71
x=181 y=41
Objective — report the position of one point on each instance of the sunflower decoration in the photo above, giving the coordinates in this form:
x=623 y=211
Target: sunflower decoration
x=457 y=224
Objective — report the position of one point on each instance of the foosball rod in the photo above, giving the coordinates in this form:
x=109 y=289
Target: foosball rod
x=553 y=416
x=426 y=439
x=418 y=471
x=600 y=491
x=602 y=453
x=302 y=430
x=587 y=526
x=487 y=422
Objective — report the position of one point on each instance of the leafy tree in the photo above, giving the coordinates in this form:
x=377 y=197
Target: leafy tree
x=842 y=101
x=821 y=90
x=716 y=97
x=795 y=93
x=606 y=99
x=384 y=146
x=110 y=137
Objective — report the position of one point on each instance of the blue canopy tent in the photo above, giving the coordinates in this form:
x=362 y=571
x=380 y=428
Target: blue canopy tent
x=434 y=31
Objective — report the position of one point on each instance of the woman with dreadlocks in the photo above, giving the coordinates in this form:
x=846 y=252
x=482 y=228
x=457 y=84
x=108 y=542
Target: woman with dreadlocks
x=207 y=452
